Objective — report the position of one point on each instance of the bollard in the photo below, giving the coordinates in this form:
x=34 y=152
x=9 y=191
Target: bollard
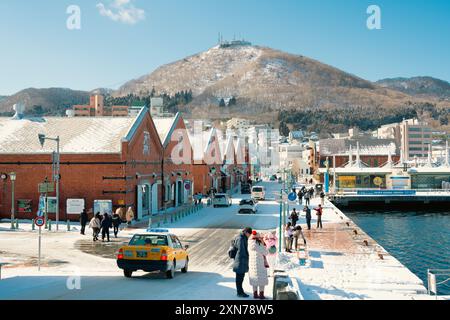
x=46 y=224
x=12 y=224
x=68 y=225
x=33 y=226
x=17 y=224
x=49 y=225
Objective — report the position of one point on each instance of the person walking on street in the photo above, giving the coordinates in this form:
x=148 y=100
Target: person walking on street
x=106 y=224
x=258 y=265
x=129 y=216
x=95 y=226
x=307 y=197
x=83 y=221
x=298 y=233
x=311 y=192
x=294 y=217
x=307 y=211
x=116 y=223
x=319 y=212
x=241 y=260
x=288 y=237
x=322 y=198
x=300 y=197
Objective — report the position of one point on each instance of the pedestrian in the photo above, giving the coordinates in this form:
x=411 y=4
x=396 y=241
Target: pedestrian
x=319 y=212
x=294 y=217
x=311 y=181
x=94 y=224
x=83 y=221
x=129 y=216
x=258 y=265
x=311 y=192
x=298 y=233
x=116 y=223
x=322 y=198
x=241 y=260
x=300 y=197
x=288 y=237
x=307 y=211
x=106 y=225
x=307 y=197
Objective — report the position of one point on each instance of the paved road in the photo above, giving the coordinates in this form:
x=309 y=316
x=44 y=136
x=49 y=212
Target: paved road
x=210 y=277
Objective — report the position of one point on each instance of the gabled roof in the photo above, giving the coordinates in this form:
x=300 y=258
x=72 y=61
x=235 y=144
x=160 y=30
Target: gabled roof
x=77 y=134
x=165 y=127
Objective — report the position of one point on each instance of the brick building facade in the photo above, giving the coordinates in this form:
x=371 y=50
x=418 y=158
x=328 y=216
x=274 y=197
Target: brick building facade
x=116 y=159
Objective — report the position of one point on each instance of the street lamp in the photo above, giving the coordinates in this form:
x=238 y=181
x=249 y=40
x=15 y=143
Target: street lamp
x=12 y=176
x=55 y=171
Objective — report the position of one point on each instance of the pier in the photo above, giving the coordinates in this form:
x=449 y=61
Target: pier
x=345 y=263
x=391 y=198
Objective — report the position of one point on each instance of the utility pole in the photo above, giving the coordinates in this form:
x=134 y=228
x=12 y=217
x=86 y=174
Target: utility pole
x=55 y=170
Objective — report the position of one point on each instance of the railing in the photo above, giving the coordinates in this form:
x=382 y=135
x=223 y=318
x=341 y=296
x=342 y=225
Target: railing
x=433 y=276
x=354 y=191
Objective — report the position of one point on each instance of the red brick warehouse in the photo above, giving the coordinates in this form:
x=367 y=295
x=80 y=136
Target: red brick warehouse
x=102 y=158
x=178 y=170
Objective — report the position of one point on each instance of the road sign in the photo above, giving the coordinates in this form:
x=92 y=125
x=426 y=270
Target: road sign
x=39 y=221
x=292 y=196
x=46 y=187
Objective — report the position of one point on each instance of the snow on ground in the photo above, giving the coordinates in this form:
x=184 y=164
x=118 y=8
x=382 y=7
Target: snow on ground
x=340 y=266
x=67 y=255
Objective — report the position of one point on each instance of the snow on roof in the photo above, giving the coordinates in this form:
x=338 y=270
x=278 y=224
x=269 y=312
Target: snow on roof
x=164 y=126
x=77 y=135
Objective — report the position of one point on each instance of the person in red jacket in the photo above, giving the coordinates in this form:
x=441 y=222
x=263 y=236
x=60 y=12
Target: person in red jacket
x=319 y=212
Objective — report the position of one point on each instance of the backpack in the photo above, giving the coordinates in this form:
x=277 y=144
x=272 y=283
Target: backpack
x=232 y=251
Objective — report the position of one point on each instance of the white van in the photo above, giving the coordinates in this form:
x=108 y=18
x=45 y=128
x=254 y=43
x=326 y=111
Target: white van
x=259 y=193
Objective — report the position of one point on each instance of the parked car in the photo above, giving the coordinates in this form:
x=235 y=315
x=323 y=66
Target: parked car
x=245 y=189
x=247 y=206
x=258 y=193
x=221 y=200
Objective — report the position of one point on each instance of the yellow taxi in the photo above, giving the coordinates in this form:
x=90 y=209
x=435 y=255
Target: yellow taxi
x=153 y=250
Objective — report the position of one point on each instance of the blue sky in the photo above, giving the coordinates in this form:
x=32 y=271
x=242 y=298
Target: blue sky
x=37 y=50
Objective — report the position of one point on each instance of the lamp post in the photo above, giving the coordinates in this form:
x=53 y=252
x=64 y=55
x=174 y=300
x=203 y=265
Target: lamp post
x=56 y=175
x=12 y=176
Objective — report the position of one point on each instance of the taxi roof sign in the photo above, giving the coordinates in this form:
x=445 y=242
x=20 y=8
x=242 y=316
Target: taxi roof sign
x=158 y=230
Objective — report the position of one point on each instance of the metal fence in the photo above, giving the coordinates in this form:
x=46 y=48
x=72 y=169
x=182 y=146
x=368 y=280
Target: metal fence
x=436 y=278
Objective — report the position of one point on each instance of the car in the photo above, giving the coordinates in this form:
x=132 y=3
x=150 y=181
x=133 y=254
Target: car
x=258 y=193
x=273 y=178
x=221 y=200
x=247 y=206
x=153 y=250
x=245 y=189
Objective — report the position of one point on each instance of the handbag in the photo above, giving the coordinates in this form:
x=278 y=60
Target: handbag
x=266 y=264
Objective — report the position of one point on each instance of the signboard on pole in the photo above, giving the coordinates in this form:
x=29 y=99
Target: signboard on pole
x=103 y=206
x=41 y=210
x=75 y=206
x=292 y=197
x=51 y=204
x=46 y=187
x=39 y=221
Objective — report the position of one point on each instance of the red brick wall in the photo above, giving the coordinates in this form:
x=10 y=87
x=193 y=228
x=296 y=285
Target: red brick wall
x=173 y=165
x=82 y=175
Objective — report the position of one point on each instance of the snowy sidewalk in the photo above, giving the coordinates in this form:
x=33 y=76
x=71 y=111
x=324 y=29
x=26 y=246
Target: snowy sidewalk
x=342 y=265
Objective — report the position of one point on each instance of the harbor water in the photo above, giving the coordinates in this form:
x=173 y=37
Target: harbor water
x=420 y=240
